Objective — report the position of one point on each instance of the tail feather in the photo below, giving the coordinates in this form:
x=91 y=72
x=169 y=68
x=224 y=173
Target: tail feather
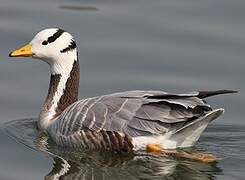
x=204 y=94
x=190 y=133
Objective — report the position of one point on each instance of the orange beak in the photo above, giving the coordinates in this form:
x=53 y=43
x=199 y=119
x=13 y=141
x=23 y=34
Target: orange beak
x=24 y=51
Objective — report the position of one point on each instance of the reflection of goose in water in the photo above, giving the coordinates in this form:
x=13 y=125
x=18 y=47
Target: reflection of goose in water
x=123 y=121
x=70 y=164
x=147 y=168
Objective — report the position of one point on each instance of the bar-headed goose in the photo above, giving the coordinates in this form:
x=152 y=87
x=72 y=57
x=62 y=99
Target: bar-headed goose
x=124 y=121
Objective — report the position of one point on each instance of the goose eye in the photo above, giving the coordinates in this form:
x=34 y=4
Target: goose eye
x=44 y=42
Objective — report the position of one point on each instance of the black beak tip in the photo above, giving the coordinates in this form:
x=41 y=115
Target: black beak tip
x=10 y=54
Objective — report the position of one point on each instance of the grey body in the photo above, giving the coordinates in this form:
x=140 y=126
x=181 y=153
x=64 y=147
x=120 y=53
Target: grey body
x=131 y=114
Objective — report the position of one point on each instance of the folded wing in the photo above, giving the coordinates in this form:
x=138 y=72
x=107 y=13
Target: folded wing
x=136 y=113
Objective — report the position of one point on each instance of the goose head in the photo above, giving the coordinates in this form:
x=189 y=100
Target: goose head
x=57 y=48
x=54 y=46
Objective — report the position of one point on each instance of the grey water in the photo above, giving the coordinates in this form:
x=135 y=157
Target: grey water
x=170 y=45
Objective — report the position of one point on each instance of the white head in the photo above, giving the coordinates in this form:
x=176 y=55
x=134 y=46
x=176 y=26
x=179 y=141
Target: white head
x=58 y=48
x=54 y=46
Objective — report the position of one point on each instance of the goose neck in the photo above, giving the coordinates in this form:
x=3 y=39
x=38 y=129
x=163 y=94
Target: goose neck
x=63 y=91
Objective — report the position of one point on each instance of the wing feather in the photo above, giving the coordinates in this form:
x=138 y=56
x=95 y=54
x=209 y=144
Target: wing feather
x=134 y=112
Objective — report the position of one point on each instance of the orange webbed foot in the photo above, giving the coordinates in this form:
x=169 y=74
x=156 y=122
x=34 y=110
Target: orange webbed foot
x=159 y=149
x=154 y=148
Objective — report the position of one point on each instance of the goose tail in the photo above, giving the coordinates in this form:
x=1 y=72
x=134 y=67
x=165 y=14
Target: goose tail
x=191 y=132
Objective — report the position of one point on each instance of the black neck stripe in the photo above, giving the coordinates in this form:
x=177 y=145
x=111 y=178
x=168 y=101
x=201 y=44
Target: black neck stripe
x=71 y=46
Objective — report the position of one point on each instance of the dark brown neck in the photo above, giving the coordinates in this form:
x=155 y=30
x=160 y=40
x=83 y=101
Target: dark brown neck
x=71 y=91
x=63 y=91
